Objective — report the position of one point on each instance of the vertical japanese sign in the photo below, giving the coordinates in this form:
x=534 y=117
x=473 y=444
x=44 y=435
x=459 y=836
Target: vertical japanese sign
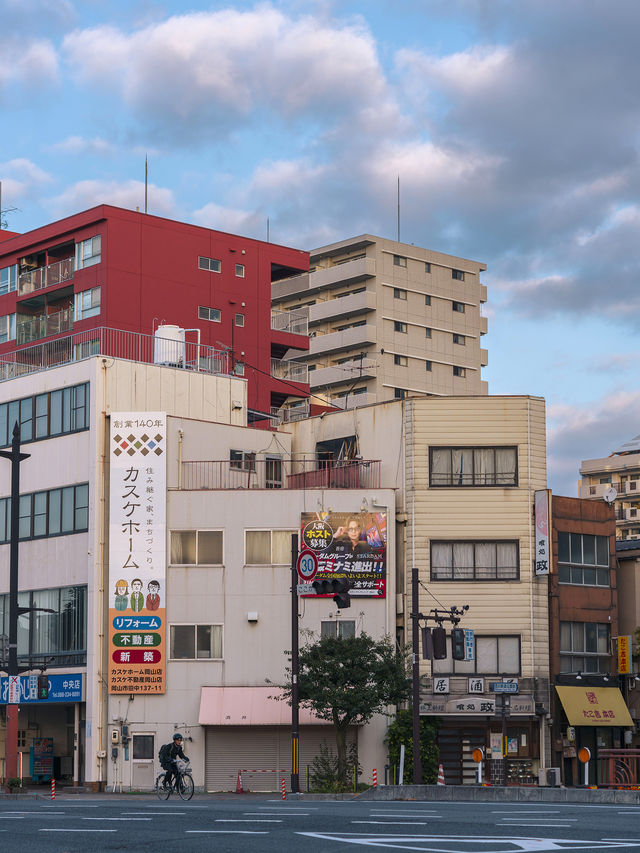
x=542 y=554
x=137 y=552
x=624 y=654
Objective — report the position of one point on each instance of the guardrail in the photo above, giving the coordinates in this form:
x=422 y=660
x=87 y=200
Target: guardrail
x=279 y=473
x=619 y=768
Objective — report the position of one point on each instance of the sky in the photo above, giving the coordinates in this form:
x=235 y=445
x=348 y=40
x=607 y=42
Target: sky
x=513 y=126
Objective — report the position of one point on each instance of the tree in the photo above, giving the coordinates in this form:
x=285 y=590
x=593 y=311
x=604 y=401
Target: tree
x=401 y=732
x=347 y=681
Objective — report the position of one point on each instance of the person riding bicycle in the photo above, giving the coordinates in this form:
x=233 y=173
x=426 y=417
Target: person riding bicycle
x=168 y=755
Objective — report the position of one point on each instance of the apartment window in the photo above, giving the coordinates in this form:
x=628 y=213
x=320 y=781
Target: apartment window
x=459 y=339
x=399 y=261
x=212 y=314
x=427 y=266
x=88 y=252
x=428 y=365
x=350 y=326
x=273 y=472
x=85 y=349
x=210 y=264
x=54 y=512
x=7 y=328
x=240 y=270
x=399 y=393
x=427 y=333
x=8 y=278
x=457 y=274
x=60 y=636
x=495 y=655
x=197 y=547
x=239 y=320
x=195 y=642
x=583 y=559
x=344 y=629
x=427 y=299
x=459 y=371
x=475 y=561
x=268 y=547
x=242 y=460
x=473 y=466
x=458 y=306
x=239 y=368
x=584 y=647
x=86 y=304
x=400 y=360
x=45 y=415
x=399 y=293
x=352 y=392
x=399 y=327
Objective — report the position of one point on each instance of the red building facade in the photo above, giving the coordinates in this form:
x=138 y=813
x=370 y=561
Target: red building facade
x=115 y=274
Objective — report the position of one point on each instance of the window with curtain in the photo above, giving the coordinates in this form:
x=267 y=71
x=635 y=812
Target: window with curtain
x=195 y=642
x=585 y=647
x=268 y=547
x=473 y=466
x=197 y=547
x=464 y=560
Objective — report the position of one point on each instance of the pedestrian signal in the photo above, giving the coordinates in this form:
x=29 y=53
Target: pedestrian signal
x=43 y=687
x=457 y=643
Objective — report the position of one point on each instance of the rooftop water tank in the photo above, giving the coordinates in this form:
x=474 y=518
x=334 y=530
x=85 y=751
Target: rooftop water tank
x=169 y=346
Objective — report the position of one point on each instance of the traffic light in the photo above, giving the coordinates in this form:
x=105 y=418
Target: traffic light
x=43 y=687
x=427 y=643
x=338 y=587
x=439 y=636
x=457 y=643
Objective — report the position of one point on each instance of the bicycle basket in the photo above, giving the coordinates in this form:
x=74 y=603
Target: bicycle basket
x=183 y=766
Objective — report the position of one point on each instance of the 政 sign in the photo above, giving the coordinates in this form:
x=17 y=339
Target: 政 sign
x=542 y=552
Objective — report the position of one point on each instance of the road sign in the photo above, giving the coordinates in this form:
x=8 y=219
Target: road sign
x=503 y=686
x=307 y=565
x=14 y=689
x=305 y=589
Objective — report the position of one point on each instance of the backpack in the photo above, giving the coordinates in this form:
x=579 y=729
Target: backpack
x=163 y=755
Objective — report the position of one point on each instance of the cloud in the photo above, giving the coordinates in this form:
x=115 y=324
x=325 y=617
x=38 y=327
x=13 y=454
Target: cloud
x=22 y=179
x=81 y=145
x=129 y=194
x=25 y=15
x=28 y=62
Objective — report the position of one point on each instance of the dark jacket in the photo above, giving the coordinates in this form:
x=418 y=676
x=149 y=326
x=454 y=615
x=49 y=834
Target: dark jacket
x=174 y=752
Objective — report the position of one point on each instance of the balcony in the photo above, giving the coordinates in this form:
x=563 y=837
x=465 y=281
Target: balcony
x=321 y=279
x=289 y=414
x=291 y=371
x=294 y=322
x=282 y=473
x=484 y=357
x=321 y=377
x=346 y=339
x=46 y=276
x=355 y=303
x=353 y=401
x=43 y=326
x=484 y=325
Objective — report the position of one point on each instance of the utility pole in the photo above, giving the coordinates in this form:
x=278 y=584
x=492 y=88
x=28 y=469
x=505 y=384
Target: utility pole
x=415 y=629
x=295 y=668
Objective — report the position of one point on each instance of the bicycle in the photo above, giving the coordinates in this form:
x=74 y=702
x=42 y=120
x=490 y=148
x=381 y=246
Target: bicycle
x=181 y=783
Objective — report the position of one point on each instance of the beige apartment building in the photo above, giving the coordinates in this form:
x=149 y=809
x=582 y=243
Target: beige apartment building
x=386 y=320
x=616 y=479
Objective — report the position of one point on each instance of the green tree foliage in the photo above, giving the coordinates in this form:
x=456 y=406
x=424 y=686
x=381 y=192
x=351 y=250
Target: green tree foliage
x=401 y=732
x=347 y=681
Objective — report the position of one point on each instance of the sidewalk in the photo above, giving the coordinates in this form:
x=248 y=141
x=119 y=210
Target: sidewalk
x=510 y=794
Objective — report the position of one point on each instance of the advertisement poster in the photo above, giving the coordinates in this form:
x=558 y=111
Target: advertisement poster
x=624 y=654
x=542 y=560
x=137 y=552
x=349 y=543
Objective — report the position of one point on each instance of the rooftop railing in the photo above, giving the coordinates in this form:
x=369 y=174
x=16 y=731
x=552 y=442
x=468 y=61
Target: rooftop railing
x=280 y=473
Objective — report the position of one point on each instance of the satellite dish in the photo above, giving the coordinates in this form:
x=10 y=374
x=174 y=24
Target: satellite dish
x=610 y=495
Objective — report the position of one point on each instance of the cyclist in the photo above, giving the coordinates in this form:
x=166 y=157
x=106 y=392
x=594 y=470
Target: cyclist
x=169 y=753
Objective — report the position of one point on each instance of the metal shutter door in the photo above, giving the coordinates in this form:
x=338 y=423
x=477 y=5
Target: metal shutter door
x=232 y=748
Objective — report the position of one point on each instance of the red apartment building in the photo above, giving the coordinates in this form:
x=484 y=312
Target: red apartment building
x=104 y=280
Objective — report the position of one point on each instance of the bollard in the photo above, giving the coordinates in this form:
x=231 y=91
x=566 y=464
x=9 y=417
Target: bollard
x=284 y=792
x=375 y=777
x=53 y=789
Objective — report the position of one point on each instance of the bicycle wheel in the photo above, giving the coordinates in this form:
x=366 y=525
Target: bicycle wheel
x=185 y=786
x=161 y=792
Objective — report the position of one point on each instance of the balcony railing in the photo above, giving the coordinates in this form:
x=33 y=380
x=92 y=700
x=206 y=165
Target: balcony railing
x=43 y=326
x=295 y=322
x=289 y=414
x=281 y=473
x=292 y=371
x=130 y=346
x=46 y=276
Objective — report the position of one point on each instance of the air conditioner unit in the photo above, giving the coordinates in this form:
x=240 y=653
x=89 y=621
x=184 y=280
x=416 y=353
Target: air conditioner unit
x=553 y=777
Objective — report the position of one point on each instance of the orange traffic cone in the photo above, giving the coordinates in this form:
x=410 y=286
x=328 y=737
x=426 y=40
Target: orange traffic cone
x=240 y=789
x=441 y=775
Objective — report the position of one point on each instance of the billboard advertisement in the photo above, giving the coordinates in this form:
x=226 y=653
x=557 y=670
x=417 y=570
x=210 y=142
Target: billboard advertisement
x=349 y=543
x=137 y=552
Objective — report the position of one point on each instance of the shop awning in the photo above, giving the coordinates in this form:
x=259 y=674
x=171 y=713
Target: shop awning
x=248 y=706
x=594 y=706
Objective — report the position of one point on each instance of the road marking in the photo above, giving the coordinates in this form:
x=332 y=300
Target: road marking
x=393 y=822
x=466 y=843
x=227 y=832
x=86 y=829
x=544 y=825
x=127 y=819
x=240 y=820
x=288 y=814
x=573 y=819
x=11 y=817
x=154 y=813
x=521 y=811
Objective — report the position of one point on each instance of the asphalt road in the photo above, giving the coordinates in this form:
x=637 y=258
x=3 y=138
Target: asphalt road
x=140 y=824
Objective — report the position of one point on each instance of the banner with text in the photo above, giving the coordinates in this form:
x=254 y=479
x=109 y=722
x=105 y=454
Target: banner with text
x=137 y=552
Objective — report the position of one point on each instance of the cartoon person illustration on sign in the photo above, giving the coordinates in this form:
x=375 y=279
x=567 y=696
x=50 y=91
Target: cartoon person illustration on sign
x=137 y=598
x=153 y=599
x=122 y=595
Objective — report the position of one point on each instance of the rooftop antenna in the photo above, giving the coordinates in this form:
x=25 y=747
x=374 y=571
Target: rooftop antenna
x=146 y=182
x=268 y=229
x=398 y=208
x=3 y=220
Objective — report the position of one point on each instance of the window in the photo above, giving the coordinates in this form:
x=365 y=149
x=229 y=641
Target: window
x=54 y=512
x=85 y=349
x=398 y=293
x=142 y=747
x=477 y=561
x=342 y=628
x=459 y=371
x=583 y=559
x=427 y=300
x=400 y=360
x=52 y=413
x=240 y=270
x=196 y=547
x=268 y=547
x=60 y=636
x=7 y=328
x=239 y=320
x=458 y=339
x=239 y=368
x=428 y=365
x=211 y=264
x=195 y=642
x=584 y=647
x=427 y=333
x=473 y=466
x=427 y=266
x=273 y=472
x=86 y=304
x=399 y=327
x=8 y=278
x=495 y=655
x=242 y=460
x=458 y=306
x=88 y=252
x=212 y=314
x=399 y=393
x=399 y=261
x=457 y=274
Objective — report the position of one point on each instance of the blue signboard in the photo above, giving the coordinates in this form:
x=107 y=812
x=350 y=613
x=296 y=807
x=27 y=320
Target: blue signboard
x=503 y=686
x=62 y=688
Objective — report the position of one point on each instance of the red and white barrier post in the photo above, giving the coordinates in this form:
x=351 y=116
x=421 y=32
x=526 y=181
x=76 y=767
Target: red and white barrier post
x=375 y=777
x=284 y=791
x=53 y=789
